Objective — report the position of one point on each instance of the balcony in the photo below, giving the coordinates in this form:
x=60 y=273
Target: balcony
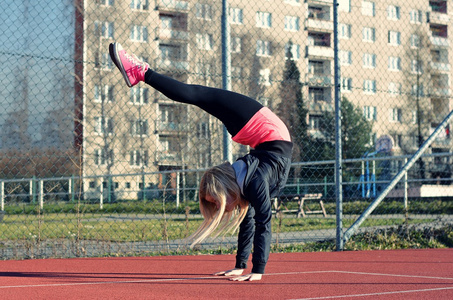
x=163 y=127
x=323 y=80
x=167 y=157
x=324 y=2
x=320 y=106
x=319 y=52
x=440 y=92
x=171 y=64
x=439 y=18
x=319 y=25
x=172 y=5
x=440 y=67
x=443 y=140
x=439 y=41
x=172 y=34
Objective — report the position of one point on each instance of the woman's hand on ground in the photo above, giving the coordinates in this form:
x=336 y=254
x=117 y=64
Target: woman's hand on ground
x=232 y=272
x=248 y=277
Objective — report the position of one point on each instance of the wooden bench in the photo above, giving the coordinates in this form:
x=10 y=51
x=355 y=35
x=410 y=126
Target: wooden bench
x=302 y=209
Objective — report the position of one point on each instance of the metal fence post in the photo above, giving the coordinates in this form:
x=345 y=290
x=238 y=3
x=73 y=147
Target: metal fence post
x=41 y=194
x=31 y=191
x=101 y=194
x=226 y=75
x=405 y=191
x=178 y=188
x=71 y=188
x=2 y=195
x=338 y=153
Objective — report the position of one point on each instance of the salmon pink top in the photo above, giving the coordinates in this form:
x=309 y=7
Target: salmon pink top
x=264 y=126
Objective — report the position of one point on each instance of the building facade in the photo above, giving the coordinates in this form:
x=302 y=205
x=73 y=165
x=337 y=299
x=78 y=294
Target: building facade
x=394 y=58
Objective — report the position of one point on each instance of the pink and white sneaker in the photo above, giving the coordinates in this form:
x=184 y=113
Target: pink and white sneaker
x=132 y=68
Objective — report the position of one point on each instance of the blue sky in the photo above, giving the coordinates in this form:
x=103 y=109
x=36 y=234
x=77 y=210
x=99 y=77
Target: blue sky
x=36 y=43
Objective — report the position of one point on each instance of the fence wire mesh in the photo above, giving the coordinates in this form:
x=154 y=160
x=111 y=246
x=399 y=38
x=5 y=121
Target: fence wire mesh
x=90 y=167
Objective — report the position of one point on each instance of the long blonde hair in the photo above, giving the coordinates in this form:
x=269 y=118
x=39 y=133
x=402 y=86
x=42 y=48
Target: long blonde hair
x=219 y=182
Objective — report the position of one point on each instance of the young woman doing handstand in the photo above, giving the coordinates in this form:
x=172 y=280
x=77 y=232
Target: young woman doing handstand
x=234 y=195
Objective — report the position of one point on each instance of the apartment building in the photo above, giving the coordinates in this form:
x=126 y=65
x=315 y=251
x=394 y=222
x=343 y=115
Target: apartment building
x=138 y=131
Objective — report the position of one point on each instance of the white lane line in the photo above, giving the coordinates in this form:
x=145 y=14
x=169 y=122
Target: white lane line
x=215 y=277
x=395 y=275
x=105 y=282
x=364 y=273
x=379 y=294
x=147 y=280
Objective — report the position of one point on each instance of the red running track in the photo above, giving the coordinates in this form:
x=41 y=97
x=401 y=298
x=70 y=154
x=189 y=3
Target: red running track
x=399 y=274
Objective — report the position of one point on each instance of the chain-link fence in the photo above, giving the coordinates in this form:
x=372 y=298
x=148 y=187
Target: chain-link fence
x=91 y=167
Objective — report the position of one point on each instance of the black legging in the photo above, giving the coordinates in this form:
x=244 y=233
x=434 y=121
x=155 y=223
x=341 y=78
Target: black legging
x=232 y=109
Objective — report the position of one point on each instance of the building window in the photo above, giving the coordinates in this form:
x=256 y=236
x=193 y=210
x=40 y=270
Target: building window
x=393 y=12
x=294 y=2
x=105 y=2
x=344 y=5
x=316 y=94
x=416 y=66
x=171 y=53
x=417 y=90
x=398 y=139
x=345 y=57
x=314 y=122
x=139 y=127
x=346 y=84
x=265 y=77
x=316 y=67
x=319 y=39
x=104 y=29
x=203 y=11
x=394 y=63
x=236 y=44
x=103 y=61
x=344 y=31
x=368 y=8
x=439 y=55
x=318 y=13
x=395 y=114
x=236 y=16
x=139 y=95
x=263 y=19
x=414 y=115
x=139 y=4
x=203 y=130
x=205 y=41
x=139 y=33
x=263 y=48
x=103 y=93
x=438 y=6
x=440 y=31
x=369 y=86
x=370 y=113
x=369 y=60
x=369 y=34
x=103 y=125
x=295 y=51
x=138 y=158
x=394 y=38
x=102 y=158
x=291 y=23
x=415 y=41
x=416 y=16
x=237 y=72
x=394 y=89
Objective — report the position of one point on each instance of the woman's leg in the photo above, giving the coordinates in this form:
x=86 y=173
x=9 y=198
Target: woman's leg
x=232 y=109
